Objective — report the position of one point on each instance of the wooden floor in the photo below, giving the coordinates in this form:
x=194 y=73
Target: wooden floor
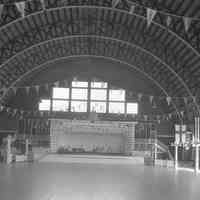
x=90 y=181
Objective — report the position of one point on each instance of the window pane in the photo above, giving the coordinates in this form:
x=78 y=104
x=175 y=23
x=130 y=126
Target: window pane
x=79 y=84
x=99 y=84
x=98 y=94
x=115 y=107
x=80 y=94
x=99 y=107
x=132 y=108
x=61 y=93
x=79 y=106
x=117 y=95
x=60 y=105
x=44 y=104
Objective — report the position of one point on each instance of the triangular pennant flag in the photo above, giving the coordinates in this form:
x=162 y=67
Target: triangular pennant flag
x=14 y=90
x=182 y=113
x=115 y=3
x=150 y=15
x=168 y=21
x=151 y=99
x=15 y=111
x=43 y=4
x=27 y=90
x=185 y=100
x=168 y=99
x=47 y=87
x=187 y=22
x=8 y=110
x=194 y=99
x=1 y=108
x=66 y=83
x=37 y=88
x=132 y=9
x=41 y=113
x=57 y=84
x=139 y=96
x=21 y=7
x=1 y=9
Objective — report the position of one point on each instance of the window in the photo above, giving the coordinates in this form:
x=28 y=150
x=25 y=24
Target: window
x=117 y=95
x=44 y=104
x=60 y=105
x=80 y=94
x=98 y=94
x=132 y=108
x=79 y=106
x=115 y=107
x=99 y=107
x=99 y=85
x=79 y=84
x=60 y=93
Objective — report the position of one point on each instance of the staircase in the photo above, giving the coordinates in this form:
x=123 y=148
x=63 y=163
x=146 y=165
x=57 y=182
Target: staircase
x=146 y=147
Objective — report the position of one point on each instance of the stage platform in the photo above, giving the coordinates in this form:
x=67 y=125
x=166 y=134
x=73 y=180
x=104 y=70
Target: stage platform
x=83 y=158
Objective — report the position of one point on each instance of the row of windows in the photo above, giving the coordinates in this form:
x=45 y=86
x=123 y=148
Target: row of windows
x=93 y=84
x=81 y=106
x=101 y=99
x=95 y=94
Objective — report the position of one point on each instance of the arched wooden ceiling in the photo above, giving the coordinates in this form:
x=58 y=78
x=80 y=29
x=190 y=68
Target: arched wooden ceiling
x=170 y=56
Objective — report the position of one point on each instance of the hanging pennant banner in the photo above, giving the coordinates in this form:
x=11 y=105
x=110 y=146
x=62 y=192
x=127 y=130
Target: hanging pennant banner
x=43 y=4
x=41 y=113
x=1 y=10
x=150 y=15
x=185 y=100
x=66 y=83
x=47 y=87
x=151 y=99
x=194 y=99
x=57 y=84
x=37 y=88
x=27 y=90
x=132 y=9
x=187 y=22
x=169 y=99
x=115 y=3
x=139 y=96
x=1 y=108
x=8 y=110
x=21 y=7
x=182 y=113
x=14 y=89
x=15 y=111
x=168 y=21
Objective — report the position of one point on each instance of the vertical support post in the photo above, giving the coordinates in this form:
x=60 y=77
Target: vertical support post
x=197 y=158
x=8 y=150
x=26 y=150
x=197 y=129
x=176 y=156
x=155 y=151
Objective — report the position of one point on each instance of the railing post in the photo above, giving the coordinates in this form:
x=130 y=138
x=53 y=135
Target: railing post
x=176 y=156
x=155 y=150
x=196 y=158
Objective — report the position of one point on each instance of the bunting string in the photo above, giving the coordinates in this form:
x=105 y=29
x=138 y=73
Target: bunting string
x=162 y=12
x=65 y=83
x=114 y=3
x=21 y=114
